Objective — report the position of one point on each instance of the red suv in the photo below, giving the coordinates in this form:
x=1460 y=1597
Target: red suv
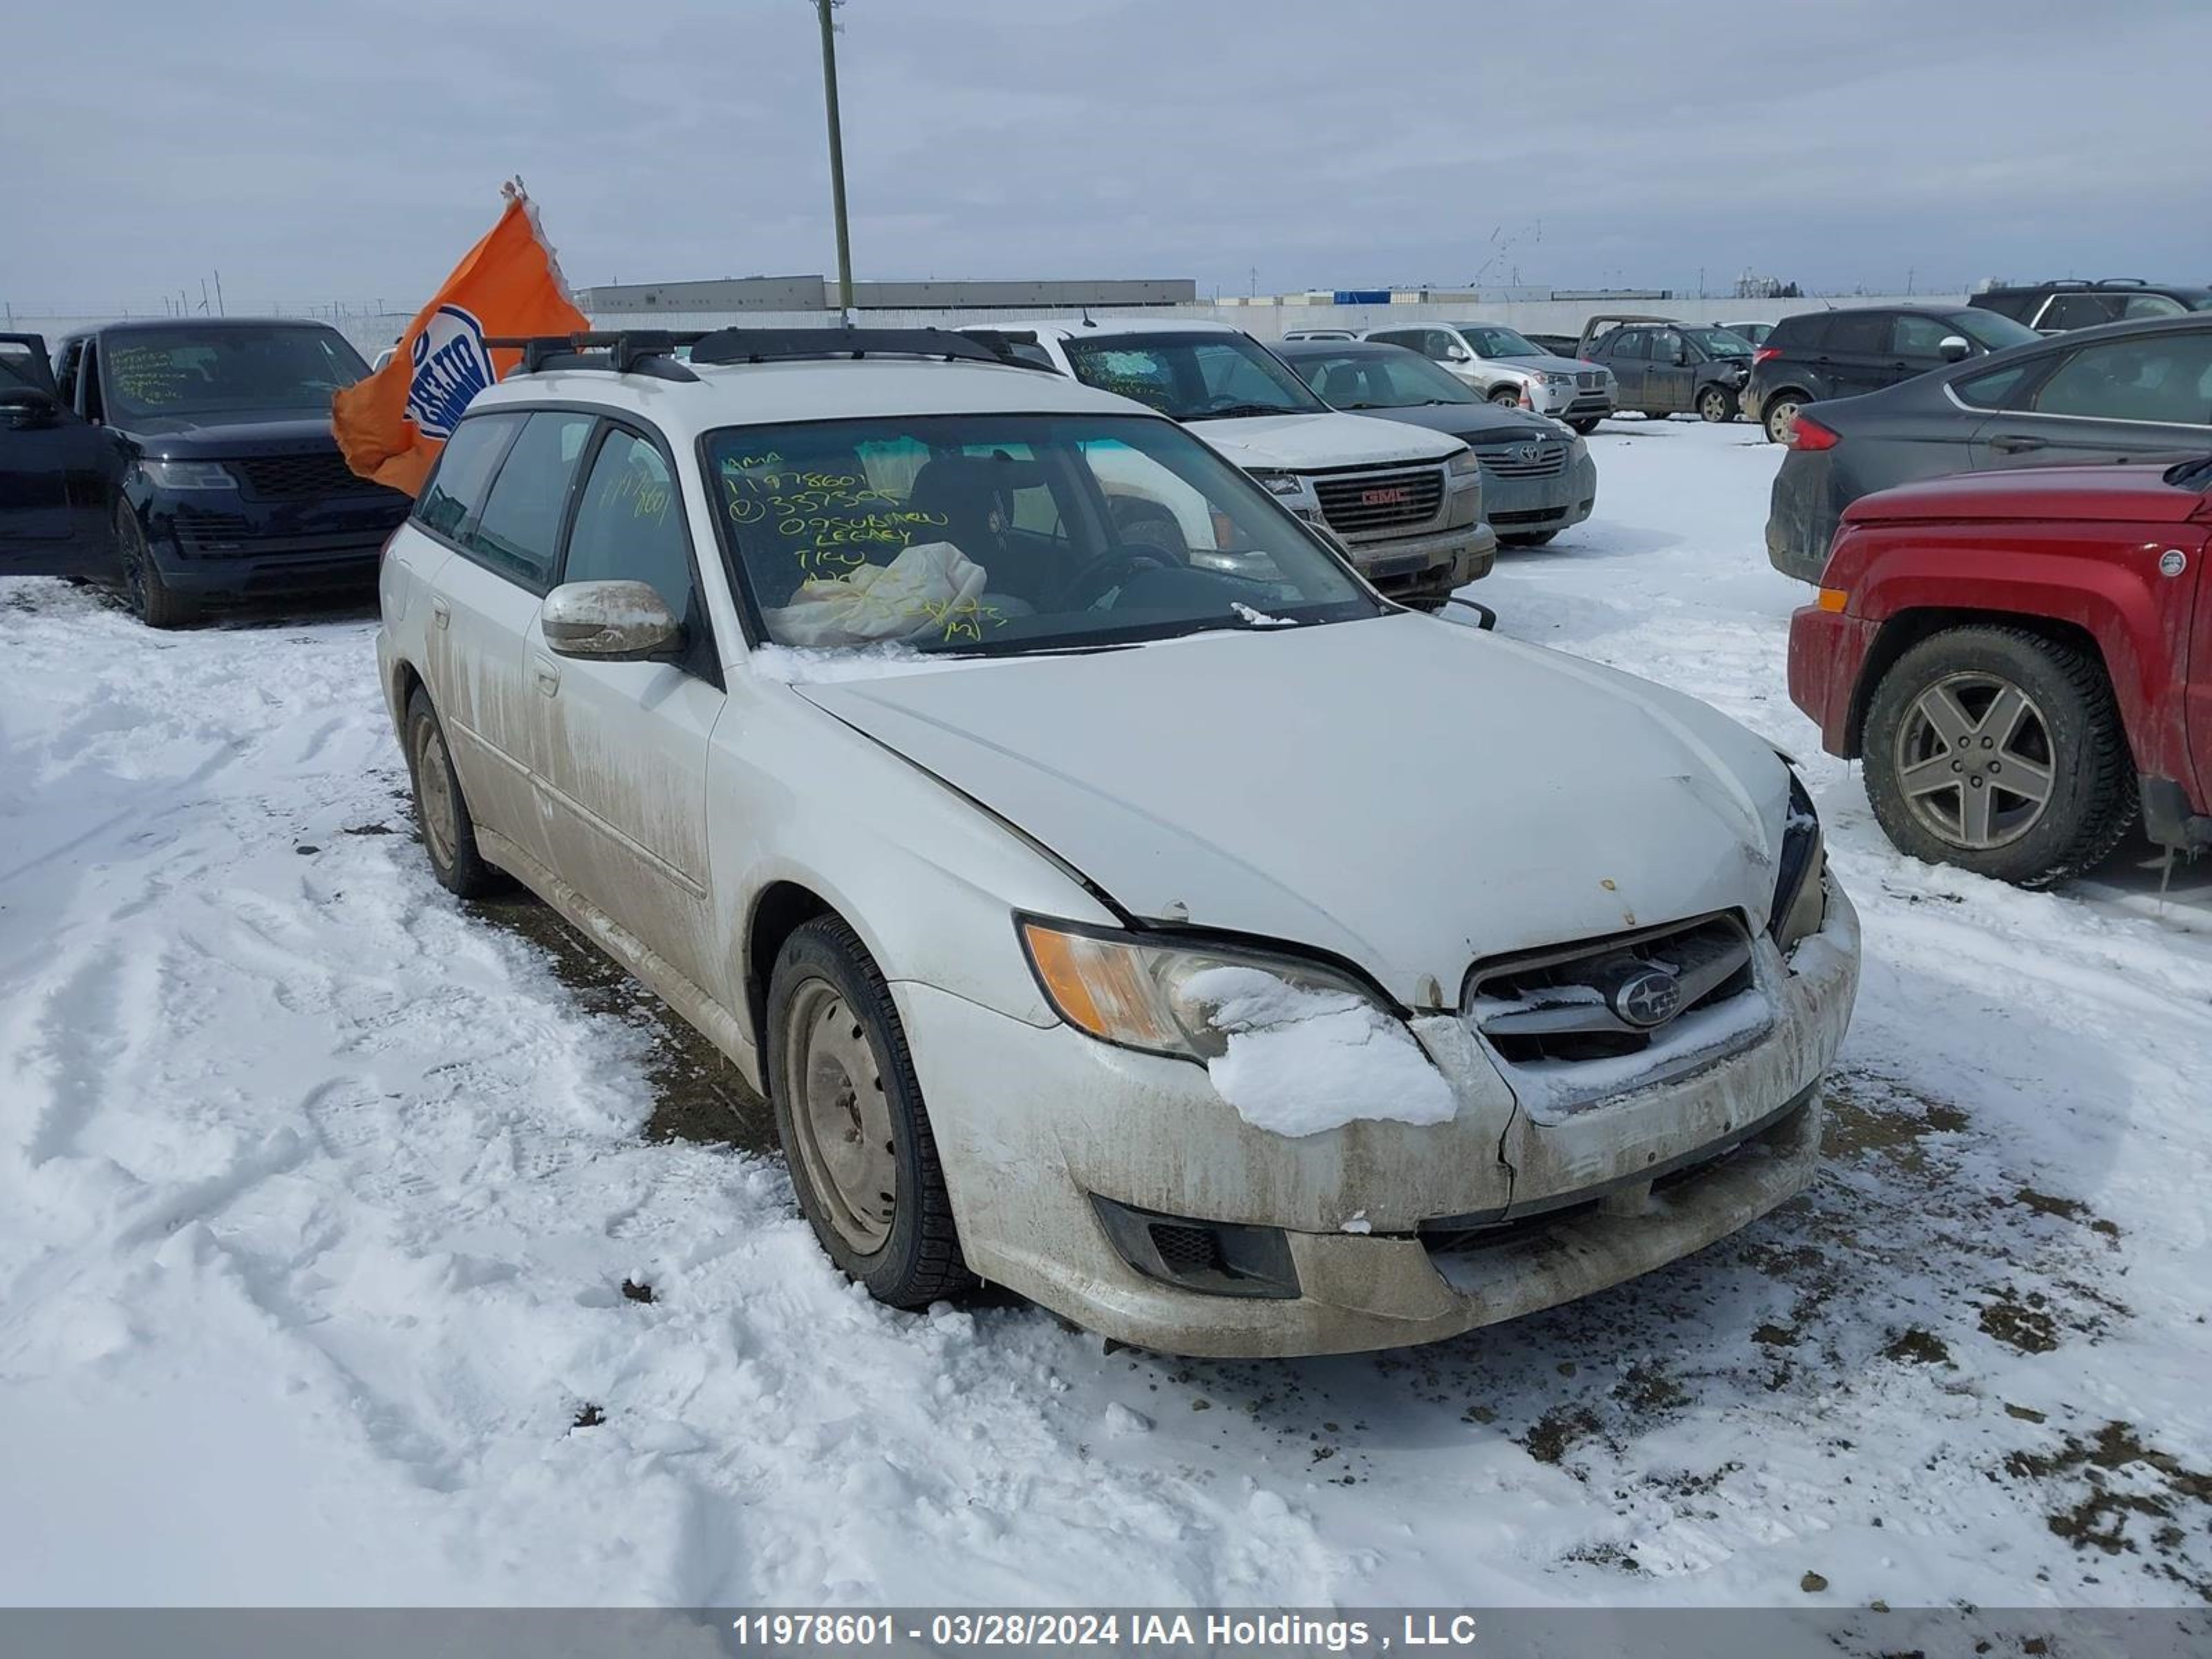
x=2023 y=659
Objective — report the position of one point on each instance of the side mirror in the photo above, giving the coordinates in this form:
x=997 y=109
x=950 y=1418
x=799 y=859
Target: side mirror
x=611 y=622
x=1955 y=348
x=30 y=405
x=1458 y=354
x=1485 y=617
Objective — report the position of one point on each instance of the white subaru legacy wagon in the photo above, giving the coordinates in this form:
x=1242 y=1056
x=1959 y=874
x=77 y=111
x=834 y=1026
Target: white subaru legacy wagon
x=1171 y=930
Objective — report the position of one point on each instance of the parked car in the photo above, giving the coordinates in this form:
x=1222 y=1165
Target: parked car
x=2054 y=308
x=1553 y=345
x=1034 y=876
x=1408 y=504
x=2126 y=392
x=1754 y=334
x=2023 y=660
x=1507 y=368
x=1320 y=334
x=1671 y=369
x=238 y=490
x=1538 y=477
x=61 y=476
x=1819 y=355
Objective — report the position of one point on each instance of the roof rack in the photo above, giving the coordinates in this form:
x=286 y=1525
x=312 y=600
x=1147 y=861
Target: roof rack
x=652 y=351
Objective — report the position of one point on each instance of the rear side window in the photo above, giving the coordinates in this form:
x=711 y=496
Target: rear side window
x=2077 y=311
x=2165 y=378
x=1995 y=391
x=1629 y=345
x=455 y=490
x=1861 y=333
x=1797 y=333
x=2018 y=307
x=520 y=528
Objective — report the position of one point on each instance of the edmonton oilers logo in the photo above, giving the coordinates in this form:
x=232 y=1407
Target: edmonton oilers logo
x=451 y=366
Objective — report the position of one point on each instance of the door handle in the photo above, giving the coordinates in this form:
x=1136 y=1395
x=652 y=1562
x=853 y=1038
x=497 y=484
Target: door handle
x=2015 y=443
x=547 y=673
x=441 y=612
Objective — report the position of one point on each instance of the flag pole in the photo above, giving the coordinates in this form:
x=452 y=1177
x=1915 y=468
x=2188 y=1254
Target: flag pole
x=837 y=158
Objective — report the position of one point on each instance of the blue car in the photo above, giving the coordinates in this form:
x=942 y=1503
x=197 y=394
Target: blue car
x=190 y=462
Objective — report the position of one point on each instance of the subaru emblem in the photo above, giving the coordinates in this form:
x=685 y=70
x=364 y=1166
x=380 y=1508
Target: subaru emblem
x=1648 y=999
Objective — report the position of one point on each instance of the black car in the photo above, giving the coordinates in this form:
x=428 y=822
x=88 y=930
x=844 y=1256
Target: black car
x=1754 y=333
x=61 y=476
x=2054 y=307
x=1669 y=368
x=236 y=490
x=1537 y=480
x=1818 y=354
x=2127 y=392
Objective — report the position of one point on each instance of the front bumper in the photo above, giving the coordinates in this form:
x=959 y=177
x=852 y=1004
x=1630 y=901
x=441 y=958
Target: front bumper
x=225 y=546
x=1572 y=403
x=1031 y=1124
x=1532 y=506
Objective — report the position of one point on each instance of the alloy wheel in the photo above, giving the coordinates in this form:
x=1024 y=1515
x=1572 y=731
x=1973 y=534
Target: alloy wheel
x=1974 y=760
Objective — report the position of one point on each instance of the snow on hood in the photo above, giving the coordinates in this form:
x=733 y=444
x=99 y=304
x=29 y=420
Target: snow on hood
x=1291 y=441
x=1402 y=793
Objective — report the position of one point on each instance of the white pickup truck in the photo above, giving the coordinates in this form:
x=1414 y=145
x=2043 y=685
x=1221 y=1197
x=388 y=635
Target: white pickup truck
x=1405 y=504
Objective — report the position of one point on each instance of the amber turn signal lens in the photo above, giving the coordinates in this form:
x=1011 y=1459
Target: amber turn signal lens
x=1834 y=599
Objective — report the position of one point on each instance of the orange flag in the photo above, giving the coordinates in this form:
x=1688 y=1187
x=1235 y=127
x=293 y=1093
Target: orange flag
x=391 y=425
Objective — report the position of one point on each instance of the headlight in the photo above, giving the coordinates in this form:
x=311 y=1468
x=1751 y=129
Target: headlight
x=1281 y=483
x=1800 y=884
x=1463 y=465
x=1122 y=988
x=186 y=475
x=1577 y=449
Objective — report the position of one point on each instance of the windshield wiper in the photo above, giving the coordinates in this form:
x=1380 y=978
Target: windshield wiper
x=2190 y=475
x=1243 y=412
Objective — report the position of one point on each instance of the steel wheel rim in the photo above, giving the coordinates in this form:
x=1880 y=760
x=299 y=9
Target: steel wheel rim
x=1975 y=761
x=433 y=787
x=841 y=1117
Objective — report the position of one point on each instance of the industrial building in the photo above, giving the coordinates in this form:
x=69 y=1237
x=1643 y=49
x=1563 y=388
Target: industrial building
x=789 y=293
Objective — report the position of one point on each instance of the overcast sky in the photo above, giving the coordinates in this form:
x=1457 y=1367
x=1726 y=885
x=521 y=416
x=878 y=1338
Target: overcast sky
x=313 y=152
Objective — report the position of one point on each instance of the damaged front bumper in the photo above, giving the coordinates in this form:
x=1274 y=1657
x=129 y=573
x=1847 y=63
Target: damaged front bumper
x=1095 y=1180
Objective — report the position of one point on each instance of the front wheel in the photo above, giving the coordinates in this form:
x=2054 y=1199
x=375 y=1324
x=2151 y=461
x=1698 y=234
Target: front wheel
x=1509 y=396
x=1716 y=404
x=2001 y=751
x=1587 y=424
x=849 y=1113
x=1781 y=419
x=441 y=812
x=157 y=603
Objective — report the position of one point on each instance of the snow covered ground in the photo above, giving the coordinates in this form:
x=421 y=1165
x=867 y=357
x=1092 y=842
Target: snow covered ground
x=329 y=1209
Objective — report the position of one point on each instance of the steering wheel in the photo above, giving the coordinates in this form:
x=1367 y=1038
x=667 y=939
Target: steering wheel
x=1100 y=575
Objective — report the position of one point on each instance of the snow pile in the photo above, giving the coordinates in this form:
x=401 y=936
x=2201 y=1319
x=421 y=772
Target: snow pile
x=1302 y=1060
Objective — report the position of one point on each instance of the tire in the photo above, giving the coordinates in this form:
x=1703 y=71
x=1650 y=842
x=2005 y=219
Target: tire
x=1780 y=416
x=441 y=812
x=1509 y=396
x=1538 y=538
x=152 y=600
x=1654 y=414
x=1587 y=424
x=1716 y=404
x=835 y=1047
x=2066 y=725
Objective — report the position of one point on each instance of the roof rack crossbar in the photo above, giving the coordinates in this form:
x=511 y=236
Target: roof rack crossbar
x=768 y=345
x=627 y=351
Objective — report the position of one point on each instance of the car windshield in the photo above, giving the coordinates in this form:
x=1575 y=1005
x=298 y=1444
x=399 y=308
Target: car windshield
x=1192 y=377
x=183 y=372
x=1487 y=341
x=1718 y=342
x=1393 y=379
x=1991 y=330
x=1006 y=534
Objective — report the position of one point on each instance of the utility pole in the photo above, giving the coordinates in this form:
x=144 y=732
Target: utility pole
x=220 y=310
x=836 y=155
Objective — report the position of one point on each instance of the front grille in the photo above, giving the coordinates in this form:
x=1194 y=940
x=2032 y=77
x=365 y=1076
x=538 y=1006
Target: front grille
x=1543 y=458
x=1533 y=515
x=288 y=478
x=1186 y=1250
x=1580 y=1002
x=1359 y=502
x=1589 y=379
x=203 y=534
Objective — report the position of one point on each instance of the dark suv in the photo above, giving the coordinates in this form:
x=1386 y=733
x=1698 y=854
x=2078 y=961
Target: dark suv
x=2054 y=308
x=1666 y=369
x=238 y=491
x=1818 y=354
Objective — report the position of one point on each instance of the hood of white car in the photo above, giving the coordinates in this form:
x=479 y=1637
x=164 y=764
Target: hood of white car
x=1405 y=794
x=1299 y=443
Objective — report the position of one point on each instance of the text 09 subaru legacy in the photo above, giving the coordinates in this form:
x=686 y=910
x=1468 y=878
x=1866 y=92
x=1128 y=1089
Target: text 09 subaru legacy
x=1204 y=947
